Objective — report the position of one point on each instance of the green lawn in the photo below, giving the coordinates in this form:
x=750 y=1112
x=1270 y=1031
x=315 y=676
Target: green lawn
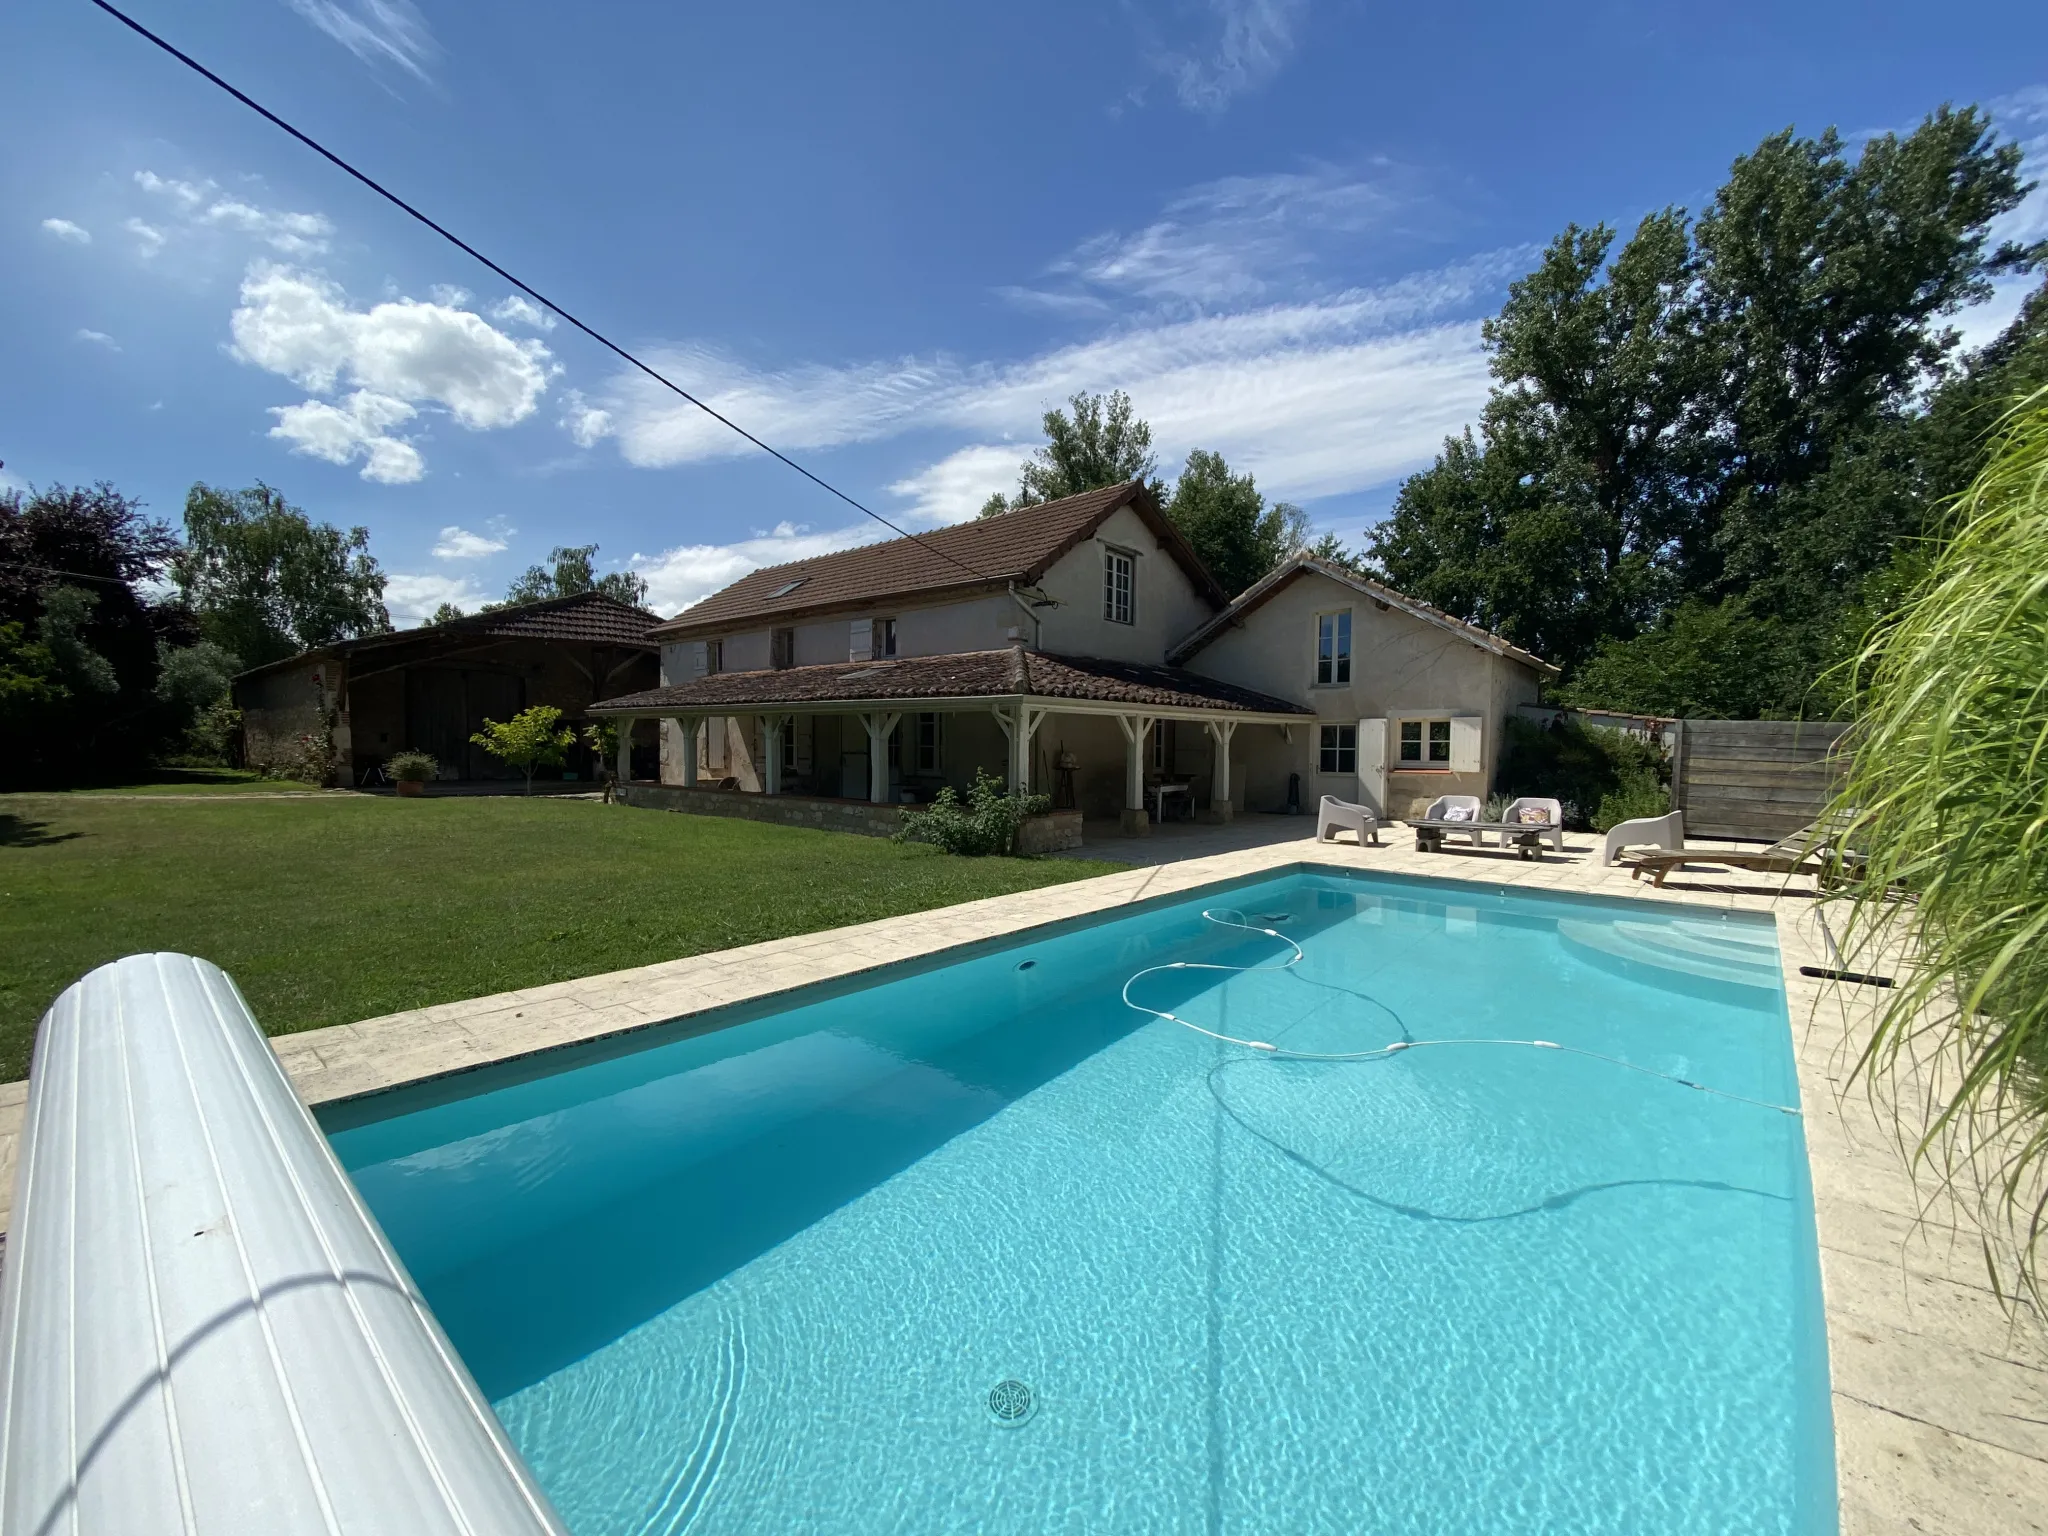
x=202 y=781
x=327 y=910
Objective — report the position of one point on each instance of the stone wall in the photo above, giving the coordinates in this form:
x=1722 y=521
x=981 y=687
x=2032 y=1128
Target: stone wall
x=1049 y=833
x=827 y=815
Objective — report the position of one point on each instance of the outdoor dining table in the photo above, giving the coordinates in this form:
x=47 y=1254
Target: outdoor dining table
x=1527 y=837
x=1159 y=792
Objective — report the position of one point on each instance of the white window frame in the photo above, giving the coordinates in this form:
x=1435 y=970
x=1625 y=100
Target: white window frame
x=1162 y=746
x=1446 y=741
x=1117 y=596
x=1333 y=748
x=882 y=642
x=1333 y=660
x=930 y=743
x=786 y=659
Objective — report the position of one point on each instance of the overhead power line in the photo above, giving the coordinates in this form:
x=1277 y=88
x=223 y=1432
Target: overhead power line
x=531 y=292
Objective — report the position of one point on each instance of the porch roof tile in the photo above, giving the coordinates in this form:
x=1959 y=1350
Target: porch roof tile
x=1005 y=673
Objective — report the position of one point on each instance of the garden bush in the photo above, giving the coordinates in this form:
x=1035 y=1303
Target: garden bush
x=985 y=824
x=1600 y=776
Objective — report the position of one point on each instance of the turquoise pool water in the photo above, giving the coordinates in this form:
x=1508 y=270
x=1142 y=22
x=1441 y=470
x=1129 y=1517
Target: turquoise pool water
x=767 y=1278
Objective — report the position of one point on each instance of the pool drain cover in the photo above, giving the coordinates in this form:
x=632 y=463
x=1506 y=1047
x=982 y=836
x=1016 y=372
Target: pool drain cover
x=1010 y=1402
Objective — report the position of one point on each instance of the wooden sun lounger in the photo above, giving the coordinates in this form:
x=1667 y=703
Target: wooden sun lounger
x=1805 y=852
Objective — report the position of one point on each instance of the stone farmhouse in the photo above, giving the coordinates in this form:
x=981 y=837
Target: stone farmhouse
x=1077 y=648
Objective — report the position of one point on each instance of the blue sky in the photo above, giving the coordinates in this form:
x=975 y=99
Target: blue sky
x=884 y=238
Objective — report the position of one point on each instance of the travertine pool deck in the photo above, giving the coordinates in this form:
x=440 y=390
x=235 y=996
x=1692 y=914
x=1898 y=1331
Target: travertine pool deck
x=1940 y=1394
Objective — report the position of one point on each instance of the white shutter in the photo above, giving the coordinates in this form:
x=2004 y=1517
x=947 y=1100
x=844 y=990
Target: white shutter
x=700 y=661
x=860 y=644
x=1465 y=734
x=1372 y=764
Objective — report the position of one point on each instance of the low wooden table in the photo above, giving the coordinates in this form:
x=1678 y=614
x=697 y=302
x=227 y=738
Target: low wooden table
x=1528 y=838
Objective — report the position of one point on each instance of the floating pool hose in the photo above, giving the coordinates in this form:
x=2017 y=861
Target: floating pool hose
x=1236 y=919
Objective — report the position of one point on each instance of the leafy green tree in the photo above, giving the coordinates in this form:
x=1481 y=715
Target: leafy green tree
x=268 y=582
x=1720 y=411
x=194 y=685
x=571 y=569
x=447 y=613
x=94 y=538
x=61 y=631
x=1227 y=521
x=533 y=738
x=1102 y=443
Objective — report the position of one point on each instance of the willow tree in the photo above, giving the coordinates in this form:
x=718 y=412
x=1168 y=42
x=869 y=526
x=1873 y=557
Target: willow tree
x=1949 y=799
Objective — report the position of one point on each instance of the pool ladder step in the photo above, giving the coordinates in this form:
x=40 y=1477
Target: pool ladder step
x=1718 y=952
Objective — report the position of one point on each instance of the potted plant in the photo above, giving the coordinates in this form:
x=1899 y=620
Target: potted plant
x=410 y=772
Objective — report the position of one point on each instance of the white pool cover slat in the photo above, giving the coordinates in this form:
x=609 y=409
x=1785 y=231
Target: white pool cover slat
x=201 y=1327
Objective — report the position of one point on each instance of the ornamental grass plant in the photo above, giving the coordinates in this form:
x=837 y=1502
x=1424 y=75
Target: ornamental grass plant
x=1947 y=803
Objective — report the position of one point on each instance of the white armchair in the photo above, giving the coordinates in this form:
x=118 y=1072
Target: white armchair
x=1334 y=815
x=1470 y=811
x=1551 y=826
x=1667 y=832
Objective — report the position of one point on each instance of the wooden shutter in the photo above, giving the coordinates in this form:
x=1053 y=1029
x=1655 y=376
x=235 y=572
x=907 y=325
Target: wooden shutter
x=1465 y=739
x=1372 y=764
x=860 y=643
x=699 y=658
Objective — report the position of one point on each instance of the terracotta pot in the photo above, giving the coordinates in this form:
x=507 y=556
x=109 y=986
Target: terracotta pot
x=411 y=789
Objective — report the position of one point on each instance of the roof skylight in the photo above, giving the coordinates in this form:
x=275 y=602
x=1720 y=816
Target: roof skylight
x=788 y=587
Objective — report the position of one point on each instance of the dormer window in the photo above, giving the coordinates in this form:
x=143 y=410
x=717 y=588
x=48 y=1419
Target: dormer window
x=1119 y=578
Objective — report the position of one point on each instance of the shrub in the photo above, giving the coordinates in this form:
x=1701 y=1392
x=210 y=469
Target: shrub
x=985 y=824
x=412 y=767
x=1582 y=765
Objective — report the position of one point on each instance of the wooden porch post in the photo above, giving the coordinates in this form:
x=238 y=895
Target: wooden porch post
x=1020 y=730
x=1135 y=728
x=879 y=728
x=771 y=744
x=688 y=726
x=1221 y=807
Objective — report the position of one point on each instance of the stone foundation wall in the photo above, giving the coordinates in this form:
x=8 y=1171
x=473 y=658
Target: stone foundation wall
x=1049 y=833
x=827 y=815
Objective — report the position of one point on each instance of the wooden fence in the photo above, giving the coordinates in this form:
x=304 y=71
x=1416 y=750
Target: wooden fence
x=1754 y=778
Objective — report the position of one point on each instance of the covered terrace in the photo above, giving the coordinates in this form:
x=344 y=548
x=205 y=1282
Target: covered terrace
x=899 y=729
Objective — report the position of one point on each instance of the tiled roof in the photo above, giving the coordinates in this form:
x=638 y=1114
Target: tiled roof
x=1301 y=565
x=991 y=551
x=963 y=675
x=585 y=618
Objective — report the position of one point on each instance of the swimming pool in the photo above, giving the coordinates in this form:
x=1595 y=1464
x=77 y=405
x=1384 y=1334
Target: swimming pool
x=978 y=1247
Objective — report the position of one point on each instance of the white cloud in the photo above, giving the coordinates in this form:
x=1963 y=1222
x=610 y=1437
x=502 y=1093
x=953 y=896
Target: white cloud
x=586 y=424
x=689 y=573
x=955 y=488
x=64 y=229
x=359 y=427
x=517 y=309
x=1237 y=239
x=450 y=294
x=1253 y=40
x=185 y=195
x=1316 y=398
x=412 y=599
x=299 y=324
x=150 y=237
x=99 y=339
x=461 y=544
x=201 y=205
x=375 y=31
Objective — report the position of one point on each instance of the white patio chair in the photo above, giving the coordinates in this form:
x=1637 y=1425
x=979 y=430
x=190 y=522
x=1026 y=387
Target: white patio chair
x=1334 y=815
x=1552 y=825
x=1472 y=811
x=1666 y=832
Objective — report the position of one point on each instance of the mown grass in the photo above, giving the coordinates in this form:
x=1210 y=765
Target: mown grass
x=328 y=910
x=201 y=781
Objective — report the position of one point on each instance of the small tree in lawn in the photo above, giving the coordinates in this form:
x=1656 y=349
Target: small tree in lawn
x=533 y=738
